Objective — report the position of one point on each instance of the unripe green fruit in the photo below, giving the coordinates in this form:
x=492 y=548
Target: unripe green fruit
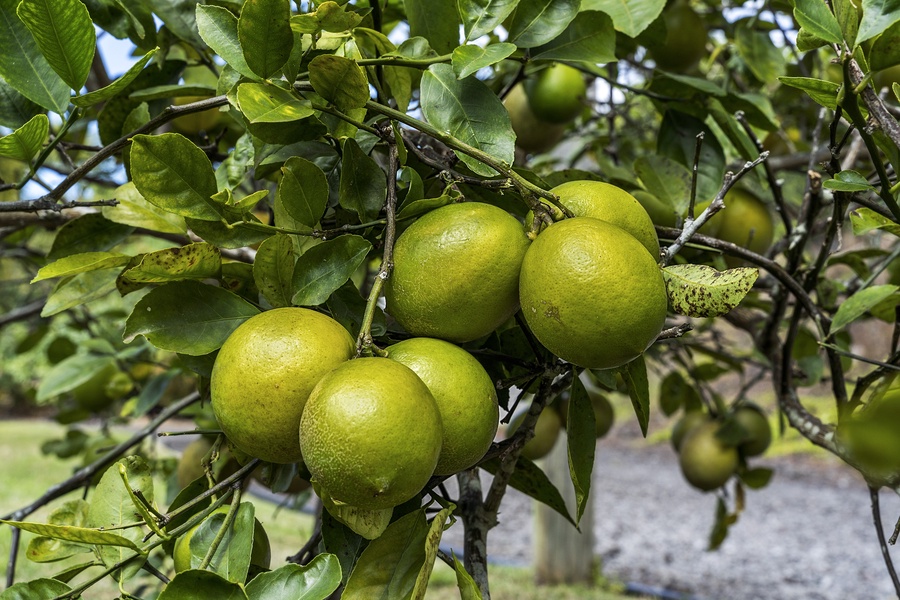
x=556 y=95
x=546 y=430
x=706 y=462
x=755 y=423
x=260 y=555
x=685 y=41
x=685 y=424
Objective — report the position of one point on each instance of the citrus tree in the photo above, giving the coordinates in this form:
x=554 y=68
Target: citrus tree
x=349 y=239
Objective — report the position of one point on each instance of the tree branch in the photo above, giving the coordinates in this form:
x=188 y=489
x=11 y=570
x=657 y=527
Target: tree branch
x=46 y=204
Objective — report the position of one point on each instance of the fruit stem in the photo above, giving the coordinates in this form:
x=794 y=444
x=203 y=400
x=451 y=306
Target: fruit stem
x=226 y=525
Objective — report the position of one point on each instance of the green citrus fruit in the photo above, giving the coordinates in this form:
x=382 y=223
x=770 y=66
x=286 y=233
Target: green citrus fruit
x=92 y=394
x=759 y=434
x=685 y=424
x=745 y=221
x=604 y=416
x=556 y=94
x=591 y=293
x=705 y=461
x=685 y=41
x=189 y=464
x=465 y=396
x=886 y=79
x=456 y=272
x=608 y=203
x=371 y=433
x=546 y=431
x=264 y=374
x=260 y=555
x=532 y=134
x=192 y=124
x=660 y=213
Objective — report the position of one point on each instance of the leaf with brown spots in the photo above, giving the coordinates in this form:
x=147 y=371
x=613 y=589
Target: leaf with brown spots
x=701 y=291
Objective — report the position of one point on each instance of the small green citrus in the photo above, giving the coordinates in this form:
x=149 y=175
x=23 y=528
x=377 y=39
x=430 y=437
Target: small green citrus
x=532 y=134
x=745 y=221
x=260 y=555
x=546 y=431
x=685 y=424
x=604 y=416
x=556 y=94
x=264 y=374
x=92 y=394
x=371 y=433
x=591 y=293
x=706 y=462
x=685 y=41
x=465 y=396
x=759 y=433
x=456 y=272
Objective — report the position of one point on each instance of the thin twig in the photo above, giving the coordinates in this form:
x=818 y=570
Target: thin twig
x=22 y=313
x=46 y=203
x=879 y=529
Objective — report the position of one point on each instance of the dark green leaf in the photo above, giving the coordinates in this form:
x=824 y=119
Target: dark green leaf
x=821 y=91
x=702 y=291
x=635 y=376
x=848 y=181
x=632 y=17
x=314 y=581
x=24 y=67
x=531 y=481
x=134 y=210
x=219 y=29
x=178 y=16
x=589 y=38
x=438 y=22
x=389 y=566
x=347 y=307
x=816 y=19
x=171 y=172
x=38 y=589
x=26 y=142
x=81 y=263
x=233 y=556
x=885 y=50
x=363 y=183
x=720 y=526
x=343 y=542
x=15 y=109
x=340 y=81
x=581 y=433
x=455 y=106
x=859 y=304
x=467 y=60
x=303 y=190
x=114 y=88
x=760 y=54
x=480 y=17
x=878 y=16
x=87 y=233
x=65 y=34
x=666 y=179
x=273 y=269
x=536 y=22
x=194 y=584
x=677 y=140
x=324 y=268
x=263 y=103
x=264 y=31
x=187 y=317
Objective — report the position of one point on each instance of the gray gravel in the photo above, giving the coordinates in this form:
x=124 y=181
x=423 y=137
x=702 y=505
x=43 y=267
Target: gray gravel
x=808 y=535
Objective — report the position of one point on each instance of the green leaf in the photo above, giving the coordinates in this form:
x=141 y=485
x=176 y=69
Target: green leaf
x=666 y=179
x=859 y=304
x=117 y=86
x=866 y=219
x=589 y=38
x=81 y=263
x=581 y=433
x=467 y=60
x=70 y=373
x=821 y=91
x=88 y=233
x=677 y=140
x=26 y=142
x=264 y=31
x=24 y=67
x=432 y=542
x=342 y=542
x=193 y=261
x=848 y=181
x=15 y=109
x=65 y=34
x=468 y=589
x=263 y=103
x=314 y=581
x=702 y=291
x=324 y=268
x=816 y=19
x=760 y=54
x=139 y=506
x=273 y=269
x=536 y=22
x=885 y=51
x=38 y=589
x=531 y=481
x=340 y=81
x=133 y=209
x=635 y=376
x=233 y=556
x=632 y=17
x=178 y=16
x=438 y=22
x=389 y=565
x=171 y=172
x=481 y=17
x=44 y=549
x=328 y=16
x=303 y=190
x=878 y=16
x=219 y=29
x=363 y=183
x=364 y=522
x=455 y=106
x=82 y=535
x=78 y=290
x=187 y=317
x=194 y=584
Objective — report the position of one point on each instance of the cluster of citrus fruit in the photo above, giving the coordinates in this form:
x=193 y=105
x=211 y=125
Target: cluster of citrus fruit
x=373 y=430
x=711 y=450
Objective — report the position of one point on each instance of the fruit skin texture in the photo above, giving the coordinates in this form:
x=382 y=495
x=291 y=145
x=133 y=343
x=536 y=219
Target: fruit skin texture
x=260 y=555
x=746 y=221
x=532 y=134
x=705 y=461
x=756 y=424
x=591 y=293
x=264 y=374
x=608 y=203
x=456 y=272
x=685 y=42
x=556 y=95
x=371 y=434
x=465 y=396
x=546 y=430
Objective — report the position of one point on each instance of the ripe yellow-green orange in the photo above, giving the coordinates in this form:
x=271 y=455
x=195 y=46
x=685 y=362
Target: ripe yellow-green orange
x=608 y=203
x=546 y=431
x=260 y=555
x=706 y=462
x=456 y=272
x=465 y=396
x=759 y=434
x=264 y=373
x=745 y=221
x=532 y=134
x=685 y=424
x=371 y=434
x=556 y=94
x=685 y=41
x=591 y=293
